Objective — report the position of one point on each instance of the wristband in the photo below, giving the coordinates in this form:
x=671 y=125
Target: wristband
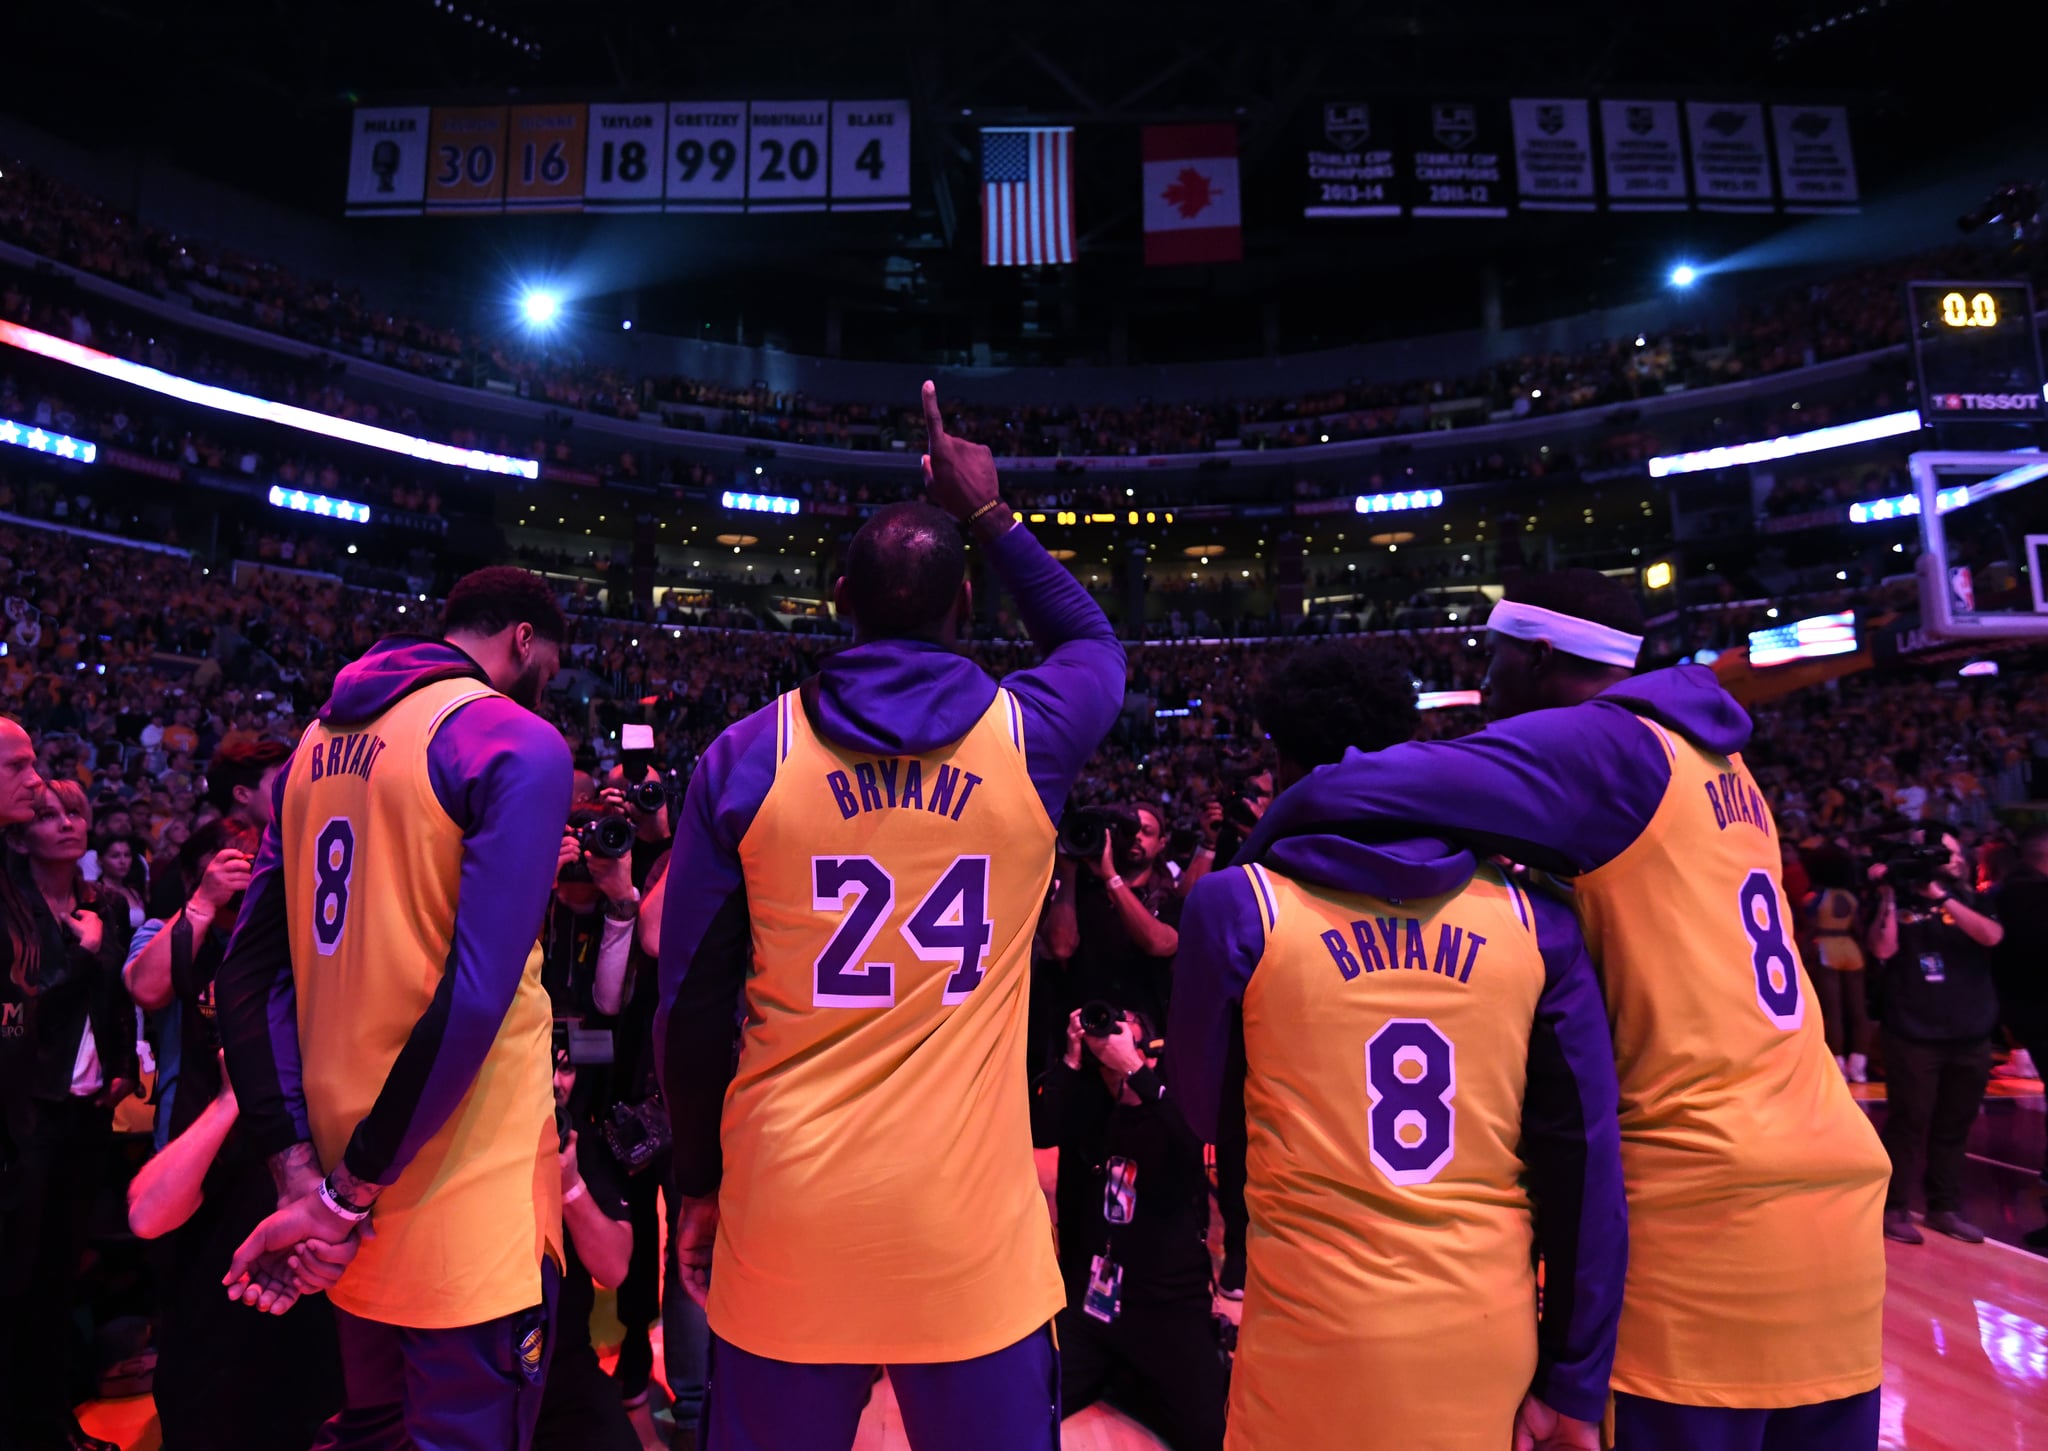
x=570 y=1196
x=339 y=1207
x=989 y=508
x=1115 y=882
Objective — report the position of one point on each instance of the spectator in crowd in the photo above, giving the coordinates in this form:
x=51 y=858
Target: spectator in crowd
x=1831 y=917
x=79 y=1044
x=1134 y=1236
x=1938 y=1006
x=125 y=874
x=21 y=980
x=580 y=1408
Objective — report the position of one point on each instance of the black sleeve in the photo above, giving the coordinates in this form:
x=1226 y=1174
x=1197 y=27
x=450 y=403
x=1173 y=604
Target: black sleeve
x=1154 y=1099
x=1052 y=1098
x=701 y=1042
x=602 y=1177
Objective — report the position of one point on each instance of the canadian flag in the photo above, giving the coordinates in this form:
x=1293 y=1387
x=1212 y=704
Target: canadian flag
x=1192 y=209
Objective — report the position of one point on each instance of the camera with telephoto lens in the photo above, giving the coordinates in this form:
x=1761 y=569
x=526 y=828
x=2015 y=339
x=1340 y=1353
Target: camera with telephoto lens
x=1909 y=865
x=1083 y=833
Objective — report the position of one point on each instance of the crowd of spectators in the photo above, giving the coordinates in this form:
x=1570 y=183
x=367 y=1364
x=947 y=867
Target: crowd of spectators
x=1850 y=313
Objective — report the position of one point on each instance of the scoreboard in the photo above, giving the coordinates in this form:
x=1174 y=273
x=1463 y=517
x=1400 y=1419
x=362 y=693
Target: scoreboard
x=1977 y=351
x=630 y=156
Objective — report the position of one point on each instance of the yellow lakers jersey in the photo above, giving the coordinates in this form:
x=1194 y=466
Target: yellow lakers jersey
x=1755 y=1184
x=880 y=1203
x=1390 y=1252
x=372 y=865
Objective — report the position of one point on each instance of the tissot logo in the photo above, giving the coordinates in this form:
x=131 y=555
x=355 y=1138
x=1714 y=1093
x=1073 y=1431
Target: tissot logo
x=1347 y=124
x=1988 y=402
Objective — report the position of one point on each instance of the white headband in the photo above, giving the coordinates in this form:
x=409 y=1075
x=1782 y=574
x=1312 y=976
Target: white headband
x=1602 y=644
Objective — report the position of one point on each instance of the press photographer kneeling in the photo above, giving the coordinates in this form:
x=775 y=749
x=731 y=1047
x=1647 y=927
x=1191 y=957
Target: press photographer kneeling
x=1134 y=1224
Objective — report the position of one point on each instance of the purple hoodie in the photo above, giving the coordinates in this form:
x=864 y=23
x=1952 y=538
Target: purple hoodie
x=503 y=775
x=889 y=697
x=1571 y=1136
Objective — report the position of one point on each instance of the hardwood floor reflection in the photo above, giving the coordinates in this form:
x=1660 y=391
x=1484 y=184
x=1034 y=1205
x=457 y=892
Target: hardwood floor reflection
x=1965 y=1348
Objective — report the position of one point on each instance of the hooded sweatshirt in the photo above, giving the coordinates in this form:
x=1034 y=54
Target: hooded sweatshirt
x=889 y=698
x=503 y=776
x=1570 y=1140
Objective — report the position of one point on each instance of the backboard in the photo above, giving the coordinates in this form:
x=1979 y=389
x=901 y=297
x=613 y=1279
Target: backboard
x=1983 y=542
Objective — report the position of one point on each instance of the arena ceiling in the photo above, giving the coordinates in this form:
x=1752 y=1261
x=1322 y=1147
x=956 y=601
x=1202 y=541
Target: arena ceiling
x=257 y=93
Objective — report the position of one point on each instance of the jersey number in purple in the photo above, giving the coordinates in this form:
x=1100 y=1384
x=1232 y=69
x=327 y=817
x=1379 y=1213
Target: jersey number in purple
x=334 y=867
x=950 y=925
x=1770 y=951
x=1411 y=1076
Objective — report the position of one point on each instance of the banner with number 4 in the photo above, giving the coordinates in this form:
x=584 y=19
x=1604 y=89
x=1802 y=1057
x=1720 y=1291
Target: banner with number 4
x=870 y=156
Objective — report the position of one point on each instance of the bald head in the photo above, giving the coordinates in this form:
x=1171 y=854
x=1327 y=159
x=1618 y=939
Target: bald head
x=20 y=787
x=906 y=576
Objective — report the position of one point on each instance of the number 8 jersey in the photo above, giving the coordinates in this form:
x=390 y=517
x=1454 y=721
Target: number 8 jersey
x=1755 y=1184
x=880 y=1202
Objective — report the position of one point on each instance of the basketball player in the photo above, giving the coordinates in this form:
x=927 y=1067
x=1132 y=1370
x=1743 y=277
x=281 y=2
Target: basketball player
x=1753 y=1312
x=385 y=1022
x=1391 y=1297
x=865 y=860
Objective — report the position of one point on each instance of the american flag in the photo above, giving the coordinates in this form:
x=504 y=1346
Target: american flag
x=1027 y=196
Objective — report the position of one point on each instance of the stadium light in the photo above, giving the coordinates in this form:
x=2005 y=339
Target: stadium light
x=1684 y=275
x=206 y=395
x=1905 y=506
x=1658 y=575
x=1405 y=499
x=42 y=440
x=759 y=503
x=1840 y=435
x=301 y=502
x=541 y=308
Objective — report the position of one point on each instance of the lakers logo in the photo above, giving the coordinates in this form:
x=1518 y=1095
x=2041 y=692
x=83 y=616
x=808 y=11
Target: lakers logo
x=531 y=1347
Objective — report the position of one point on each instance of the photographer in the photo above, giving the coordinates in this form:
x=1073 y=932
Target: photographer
x=1939 y=1006
x=1227 y=820
x=1115 y=916
x=1134 y=1223
x=588 y=937
x=580 y=1407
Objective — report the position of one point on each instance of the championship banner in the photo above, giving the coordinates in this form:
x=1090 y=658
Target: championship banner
x=1193 y=210
x=787 y=146
x=1816 y=168
x=707 y=154
x=545 y=171
x=870 y=156
x=1645 y=160
x=1554 y=154
x=466 y=171
x=622 y=170
x=1351 y=169
x=387 y=161
x=1457 y=160
x=1731 y=163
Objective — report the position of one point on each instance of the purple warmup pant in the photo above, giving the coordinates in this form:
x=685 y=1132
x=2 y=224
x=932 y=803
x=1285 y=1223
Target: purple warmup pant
x=473 y=1388
x=1849 y=1424
x=1008 y=1400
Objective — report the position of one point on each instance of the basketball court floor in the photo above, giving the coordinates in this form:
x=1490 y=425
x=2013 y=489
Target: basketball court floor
x=1966 y=1326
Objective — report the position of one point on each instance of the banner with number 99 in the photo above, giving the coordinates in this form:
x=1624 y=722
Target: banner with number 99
x=707 y=156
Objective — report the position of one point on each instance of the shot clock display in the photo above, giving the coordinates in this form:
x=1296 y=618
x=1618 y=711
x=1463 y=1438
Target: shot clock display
x=1977 y=351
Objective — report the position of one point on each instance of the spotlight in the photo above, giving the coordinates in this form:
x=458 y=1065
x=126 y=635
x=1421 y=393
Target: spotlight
x=540 y=308
x=1684 y=275
x=626 y=324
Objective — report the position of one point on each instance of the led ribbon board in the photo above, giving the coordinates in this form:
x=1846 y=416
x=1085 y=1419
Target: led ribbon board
x=43 y=440
x=1841 y=435
x=206 y=395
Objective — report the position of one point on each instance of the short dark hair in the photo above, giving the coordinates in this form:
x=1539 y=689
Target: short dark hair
x=1322 y=700
x=486 y=601
x=1584 y=594
x=903 y=570
x=240 y=763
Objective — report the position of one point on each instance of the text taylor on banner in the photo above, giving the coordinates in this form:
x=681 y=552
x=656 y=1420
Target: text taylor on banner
x=1192 y=209
x=1816 y=168
x=622 y=171
x=1645 y=167
x=870 y=156
x=1554 y=154
x=1731 y=164
x=387 y=162
x=1350 y=167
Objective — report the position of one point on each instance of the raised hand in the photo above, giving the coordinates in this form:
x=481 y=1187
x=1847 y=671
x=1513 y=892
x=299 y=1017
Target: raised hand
x=960 y=476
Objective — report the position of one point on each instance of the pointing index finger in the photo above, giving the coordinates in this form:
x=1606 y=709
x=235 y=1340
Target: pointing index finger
x=934 y=424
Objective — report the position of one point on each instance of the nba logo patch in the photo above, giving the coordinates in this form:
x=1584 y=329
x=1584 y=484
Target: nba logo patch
x=1120 y=1190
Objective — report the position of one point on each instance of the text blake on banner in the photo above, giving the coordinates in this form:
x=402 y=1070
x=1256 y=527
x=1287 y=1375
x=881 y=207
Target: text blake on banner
x=1193 y=210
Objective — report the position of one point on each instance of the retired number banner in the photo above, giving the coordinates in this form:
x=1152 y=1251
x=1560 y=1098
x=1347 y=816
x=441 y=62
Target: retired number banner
x=387 y=162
